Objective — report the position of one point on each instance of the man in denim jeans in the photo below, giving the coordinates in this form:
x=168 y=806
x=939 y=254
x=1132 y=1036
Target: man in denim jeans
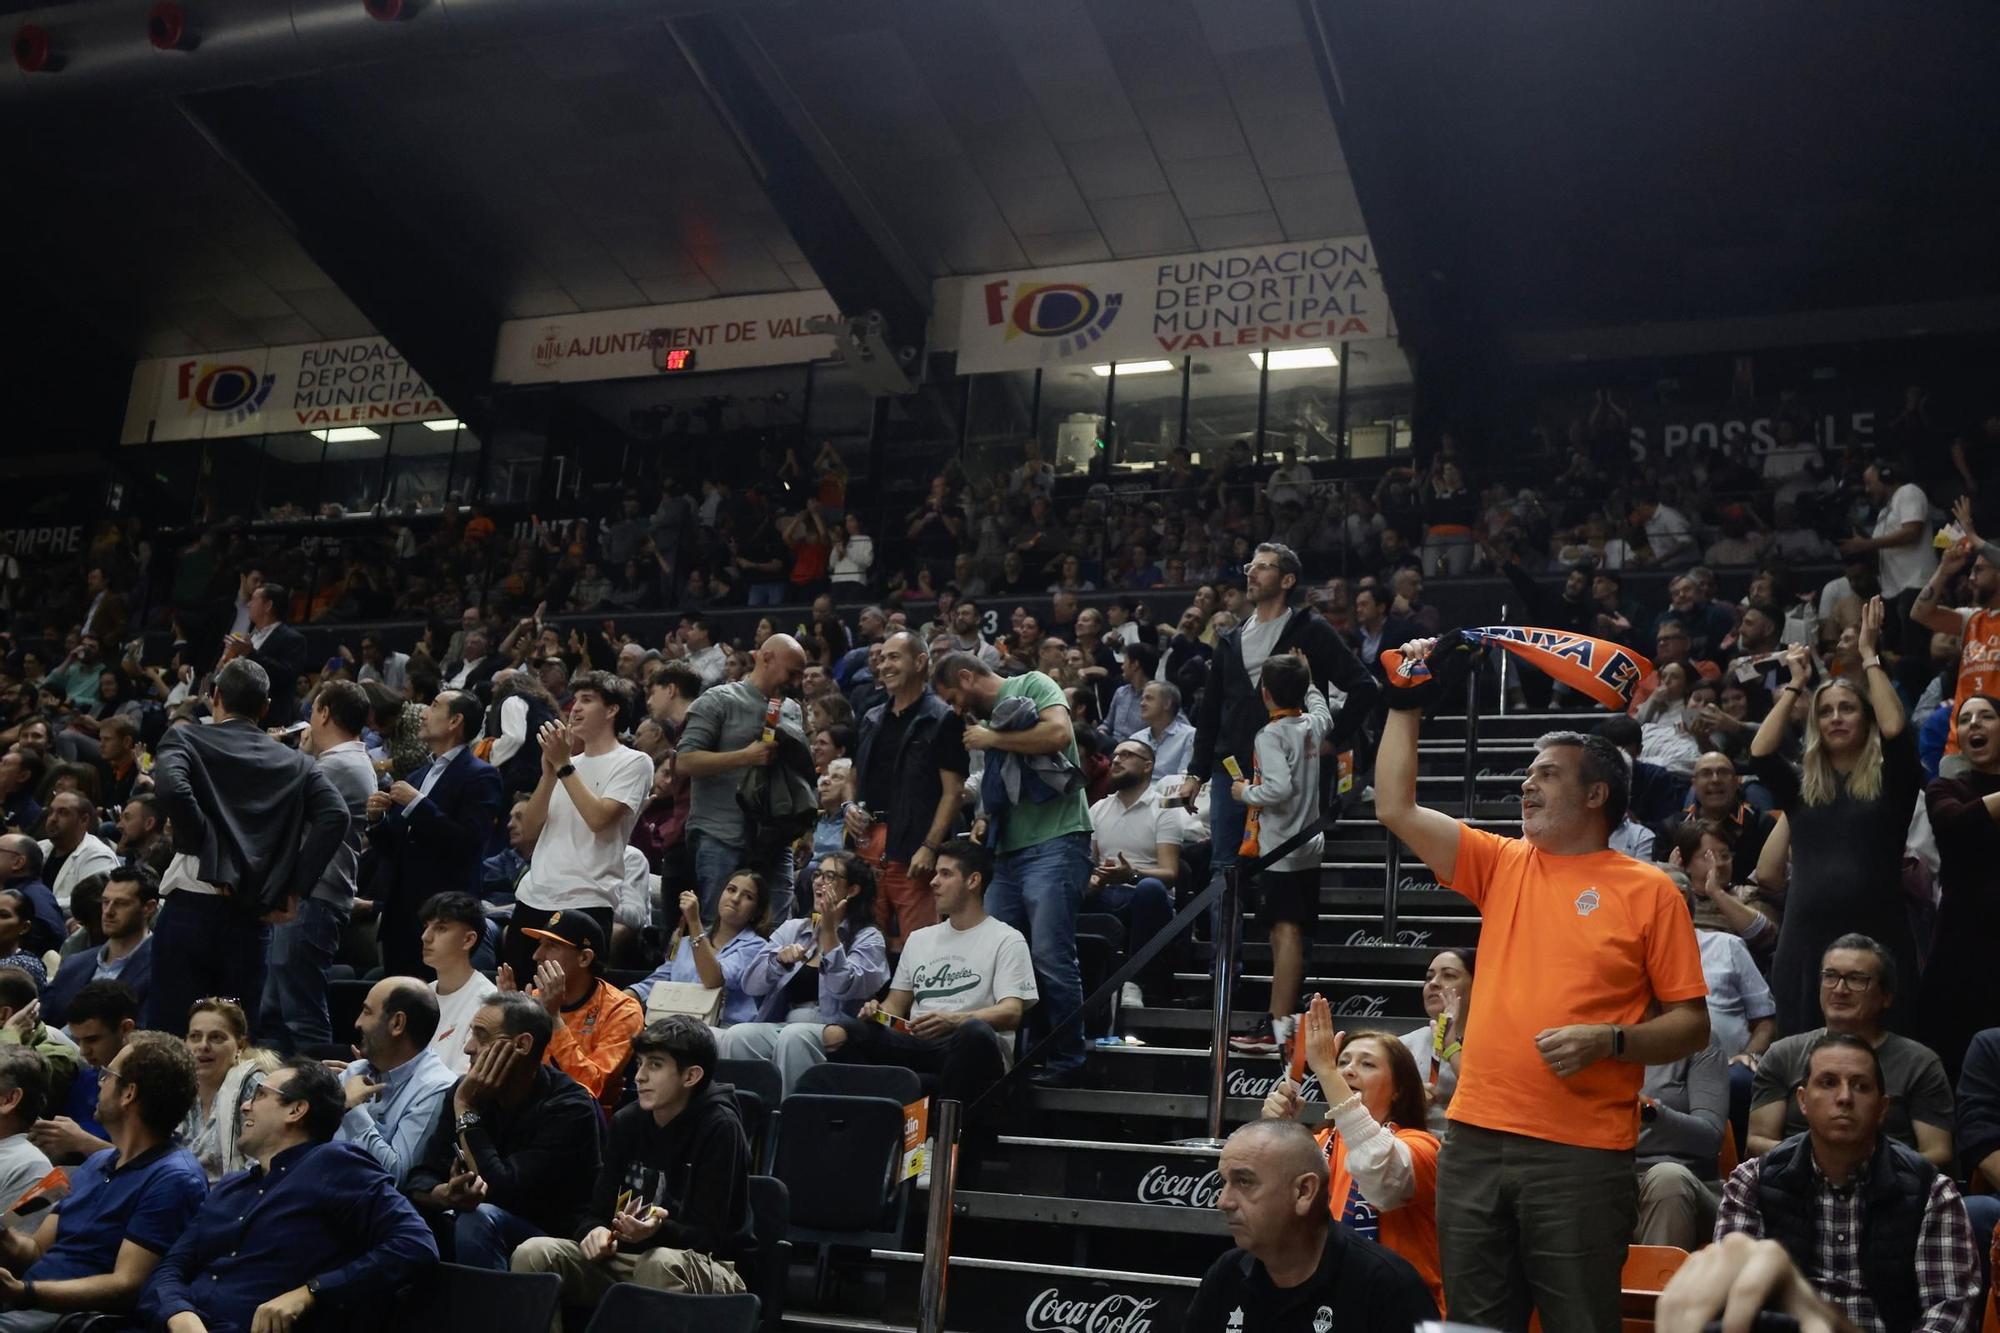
x=1232 y=706
x=303 y=949
x=1043 y=846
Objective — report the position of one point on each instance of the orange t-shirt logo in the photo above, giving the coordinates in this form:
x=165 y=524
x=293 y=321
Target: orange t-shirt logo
x=1587 y=902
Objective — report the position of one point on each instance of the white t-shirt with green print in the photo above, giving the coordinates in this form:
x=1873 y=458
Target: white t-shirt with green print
x=951 y=971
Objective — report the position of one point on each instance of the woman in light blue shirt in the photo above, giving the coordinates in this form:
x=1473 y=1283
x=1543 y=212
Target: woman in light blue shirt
x=721 y=954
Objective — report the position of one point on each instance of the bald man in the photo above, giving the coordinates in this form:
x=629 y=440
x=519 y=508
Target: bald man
x=725 y=735
x=1293 y=1266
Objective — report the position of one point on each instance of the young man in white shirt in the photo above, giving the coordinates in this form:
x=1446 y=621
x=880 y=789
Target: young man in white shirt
x=581 y=813
x=1135 y=849
x=961 y=989
x=453 y=927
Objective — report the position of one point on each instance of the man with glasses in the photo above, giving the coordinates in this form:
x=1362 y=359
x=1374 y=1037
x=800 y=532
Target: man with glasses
x=1857 y=984
x=1135 y=854
x=1232 y=705
x=127 y=1205
x=314 y=1225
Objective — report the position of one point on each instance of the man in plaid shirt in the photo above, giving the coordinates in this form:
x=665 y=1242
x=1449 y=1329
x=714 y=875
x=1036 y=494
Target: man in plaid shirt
x=1878 y=1231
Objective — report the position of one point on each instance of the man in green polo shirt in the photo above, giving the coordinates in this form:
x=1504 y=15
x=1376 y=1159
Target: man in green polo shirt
x=1043 y=851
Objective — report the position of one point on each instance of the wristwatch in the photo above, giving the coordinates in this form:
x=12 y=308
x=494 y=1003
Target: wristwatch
x=1617 y=1041
x=565 y=771
x=312 y=1287
x=469 y=1120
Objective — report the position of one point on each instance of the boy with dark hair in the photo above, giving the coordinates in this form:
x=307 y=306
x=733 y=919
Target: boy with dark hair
x=454 y=924
x=1282 y=797
x=671 y=1209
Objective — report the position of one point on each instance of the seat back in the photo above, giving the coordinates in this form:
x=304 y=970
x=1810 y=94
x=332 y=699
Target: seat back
x=864 y=1081
x=1648 y=1267
x=759 y=1076
x=841 y=1158
x=770 y=1219
x=454 y=1296
x=629 y=1305
x=756 y=1116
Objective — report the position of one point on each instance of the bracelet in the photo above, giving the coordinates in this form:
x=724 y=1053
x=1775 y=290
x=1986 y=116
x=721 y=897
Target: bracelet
x=1871 y=664
x=28 y=1294
x=565 y=771
x=699 y=940
x=1451 y=1052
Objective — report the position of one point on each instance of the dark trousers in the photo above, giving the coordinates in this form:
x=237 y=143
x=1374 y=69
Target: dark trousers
x=401 y=936
x=295 y=985
x=204 y=946
x=1525 y=1224
x=518 y=951
x=965 y=1064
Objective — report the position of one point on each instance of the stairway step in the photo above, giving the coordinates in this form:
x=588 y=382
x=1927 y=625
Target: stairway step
x=1010 y=1296
x=1053 y=1210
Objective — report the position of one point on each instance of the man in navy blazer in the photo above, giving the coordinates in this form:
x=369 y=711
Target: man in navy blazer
x=131 y=897
x=429 y=831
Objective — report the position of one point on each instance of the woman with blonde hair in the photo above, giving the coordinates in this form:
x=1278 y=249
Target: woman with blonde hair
x=1381 y=1161
x=227 y=1070
x=1848 y=806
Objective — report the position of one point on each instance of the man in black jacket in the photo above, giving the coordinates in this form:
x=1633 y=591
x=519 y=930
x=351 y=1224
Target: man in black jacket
x=672 y=1205
x=1232 y=704
x=276 y=647
x=516 y=1156
x=255 y=822
x=1295 y=1265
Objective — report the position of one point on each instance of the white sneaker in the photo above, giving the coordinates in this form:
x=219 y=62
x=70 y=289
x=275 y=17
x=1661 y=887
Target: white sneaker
x=1130 y=997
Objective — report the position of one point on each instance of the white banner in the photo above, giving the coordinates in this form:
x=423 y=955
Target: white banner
x=271 y=390
x=1309 y=294
x=733 y=333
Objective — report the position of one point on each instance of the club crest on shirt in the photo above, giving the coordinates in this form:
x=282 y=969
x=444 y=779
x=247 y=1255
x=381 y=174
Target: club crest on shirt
x=1323 y=1320
x=1588 y=901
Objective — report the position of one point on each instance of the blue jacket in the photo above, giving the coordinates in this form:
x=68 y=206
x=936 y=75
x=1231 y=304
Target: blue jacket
x=849 y=975
x=434 y=845
x=78 y=970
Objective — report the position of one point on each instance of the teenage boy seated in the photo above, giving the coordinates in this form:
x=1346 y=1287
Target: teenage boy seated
x=960 y=991
x=672 y=1205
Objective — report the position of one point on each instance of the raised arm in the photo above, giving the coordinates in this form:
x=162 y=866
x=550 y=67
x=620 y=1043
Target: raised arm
x=1431 y=834
x=1771 y=733
x=1890 y=719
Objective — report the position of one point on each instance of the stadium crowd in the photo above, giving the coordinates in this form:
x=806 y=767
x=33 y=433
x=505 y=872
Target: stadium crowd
x=1738 y=974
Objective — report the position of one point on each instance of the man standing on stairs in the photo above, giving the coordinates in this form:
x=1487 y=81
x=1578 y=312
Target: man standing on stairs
x=1537 y=1192
x=1232 y=704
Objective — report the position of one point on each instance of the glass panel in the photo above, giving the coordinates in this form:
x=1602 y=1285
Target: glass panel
x=1146 y=412
x=998 y=418
x=291 y=475
x=231 y=471
x=1303 y=406
x=419 y=461
x=1072 y=417
x=514 y=466
x=175 y=471
x=1222 y=406
x=351 y=475
x=465 y=464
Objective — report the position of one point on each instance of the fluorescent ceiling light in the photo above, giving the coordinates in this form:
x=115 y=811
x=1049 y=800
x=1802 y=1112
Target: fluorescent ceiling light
x=449 y=423
x=345 y=434
x=1299 y=358
x=1135 y=368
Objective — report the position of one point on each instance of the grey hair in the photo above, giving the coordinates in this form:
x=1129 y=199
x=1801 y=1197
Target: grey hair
x=1602 y=762
x=1169 y=689
x=1855 y=942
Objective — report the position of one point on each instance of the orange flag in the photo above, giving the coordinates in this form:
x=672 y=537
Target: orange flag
x=1606 y=671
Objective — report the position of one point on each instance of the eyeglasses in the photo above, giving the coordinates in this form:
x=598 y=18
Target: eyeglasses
x=1854 y=981
x=1253 y=567
x=830 y=876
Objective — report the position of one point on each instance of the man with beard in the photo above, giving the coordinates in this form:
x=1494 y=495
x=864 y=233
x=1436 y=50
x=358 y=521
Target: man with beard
x=909 y=771
x=1135 y=850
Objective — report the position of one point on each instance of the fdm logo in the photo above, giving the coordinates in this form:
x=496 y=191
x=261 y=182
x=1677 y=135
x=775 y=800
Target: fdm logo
x=237 y=392
x=1067 y=316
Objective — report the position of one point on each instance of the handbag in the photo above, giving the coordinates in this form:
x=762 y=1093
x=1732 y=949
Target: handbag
x=684 y=997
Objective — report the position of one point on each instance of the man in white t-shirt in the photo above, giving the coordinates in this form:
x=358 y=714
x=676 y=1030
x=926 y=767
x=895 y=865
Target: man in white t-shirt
x=1669 y=536
x=453 y=927
x=1905 y=557
x=582 y=813
x=960 y=991
x=1135 y=852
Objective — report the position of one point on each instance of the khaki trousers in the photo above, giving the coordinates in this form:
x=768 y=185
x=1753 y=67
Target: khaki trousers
x=584 y=1282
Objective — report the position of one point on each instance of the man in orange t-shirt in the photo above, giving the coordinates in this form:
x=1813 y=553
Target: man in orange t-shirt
x=1588 y=972
x=1978 y=627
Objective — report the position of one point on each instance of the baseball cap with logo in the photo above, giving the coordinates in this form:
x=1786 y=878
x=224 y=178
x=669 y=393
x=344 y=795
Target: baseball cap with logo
x=578 y=930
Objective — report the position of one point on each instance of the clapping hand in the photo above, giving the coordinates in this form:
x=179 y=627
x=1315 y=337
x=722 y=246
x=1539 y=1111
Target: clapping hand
x=556 y=745
x=1323 y=1046
x=550 y=984
x=1871 y=628
x=636 y=1221
x=1284 y=1102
